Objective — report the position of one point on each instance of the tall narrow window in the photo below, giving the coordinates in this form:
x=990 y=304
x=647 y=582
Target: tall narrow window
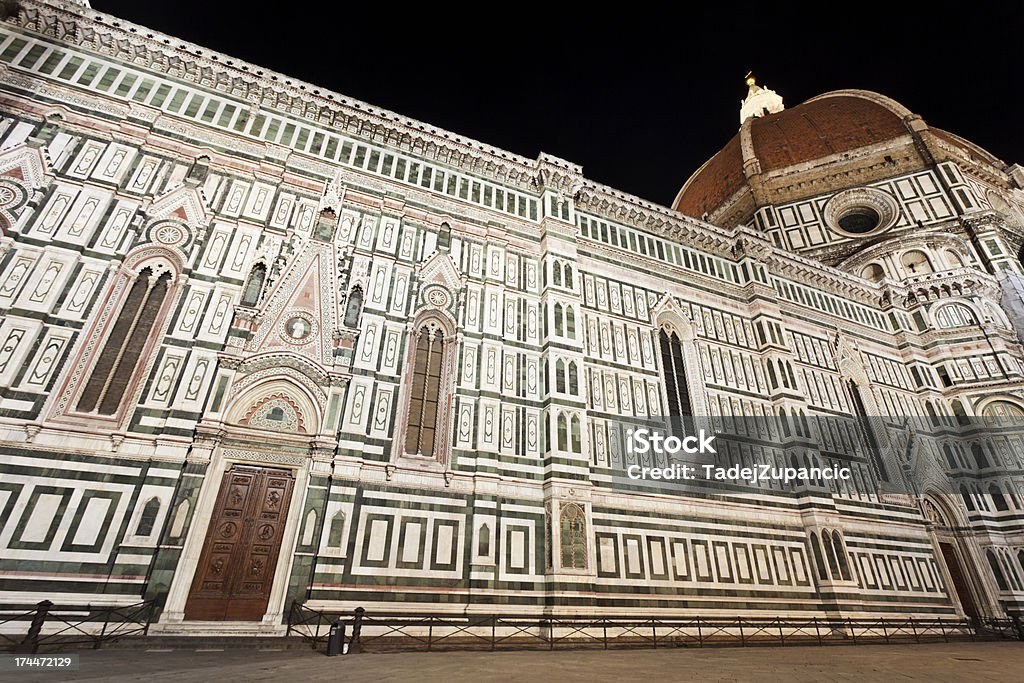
x=353 y=308
x=336 y=532
x=675 y=375
x=148 y=518
x=819 y=563
x=997 y=571
x=570 y=323
x=426 y=392
x=560 y=376
x=254 y=285
x=121 y=354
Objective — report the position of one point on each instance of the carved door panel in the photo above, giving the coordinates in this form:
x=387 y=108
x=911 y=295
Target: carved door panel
x=236 y=569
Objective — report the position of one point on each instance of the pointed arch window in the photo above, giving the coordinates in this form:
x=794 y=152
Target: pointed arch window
x=354 y=307
x=819 y=562
x=563 y=433
x=997 y=571
x=673 y=366
x=122 y=351
x=148 y=518
x=426 y=403
x=336 y=532
x=483 y=548
x=254 y=285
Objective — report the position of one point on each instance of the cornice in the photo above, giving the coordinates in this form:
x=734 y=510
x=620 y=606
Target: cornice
x=154 y=51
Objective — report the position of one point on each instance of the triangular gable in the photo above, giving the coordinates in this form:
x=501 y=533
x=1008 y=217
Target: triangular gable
x=26 y=164
x=184 y=203
x=302 y=300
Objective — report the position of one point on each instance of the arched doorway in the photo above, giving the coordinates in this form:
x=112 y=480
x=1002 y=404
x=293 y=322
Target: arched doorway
x=954 y=556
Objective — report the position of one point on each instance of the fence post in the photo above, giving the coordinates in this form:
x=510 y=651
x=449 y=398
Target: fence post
x=817 y=630
x=743 y=640
x=942 y=625
x=913 y=626
x=430 y=632
x=494 y=626
x=654 y=632
x=31 y=642
x=604 y=624
x=782 y=637
x=355 y=646
x=150 y=608
x=103 y=631
x=885 y=633
x=849 y=625
x=700 y=634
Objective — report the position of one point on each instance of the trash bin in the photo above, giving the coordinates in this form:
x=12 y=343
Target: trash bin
x=336 y=638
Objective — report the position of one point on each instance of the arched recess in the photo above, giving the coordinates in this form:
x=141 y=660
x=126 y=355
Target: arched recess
x=277 y=404
x=253 y=288
x=1002 y=411
x=955 y=553
x=425 y=417
x=954 y=315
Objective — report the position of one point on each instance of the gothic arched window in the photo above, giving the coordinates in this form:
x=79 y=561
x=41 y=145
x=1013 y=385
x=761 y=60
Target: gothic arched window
x=335 y=536
x=844 y=564
x=354 y=307
x=425 y=406
x=559 y=321
x=819 y=562
x=563 y=433
x=997 y=571
x=483 y=547
x=560 y=376
x=675 y=375
x=122 y=352
x=998 y=499
x=556 y=274
x=574 y=382
x=148 y=518
x=254 y=285
x=570 y=323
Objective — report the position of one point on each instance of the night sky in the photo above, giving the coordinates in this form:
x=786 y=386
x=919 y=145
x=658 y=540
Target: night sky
x=640 y=101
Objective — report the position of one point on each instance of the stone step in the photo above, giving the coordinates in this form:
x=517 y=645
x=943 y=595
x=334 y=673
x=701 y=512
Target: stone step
x=208 y=642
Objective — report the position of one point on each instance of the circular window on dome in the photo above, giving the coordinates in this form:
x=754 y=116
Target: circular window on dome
x=859 y=220
x=861 y=211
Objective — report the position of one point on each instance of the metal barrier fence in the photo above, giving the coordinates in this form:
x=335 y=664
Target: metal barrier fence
x=55 y=628
x=402 y=631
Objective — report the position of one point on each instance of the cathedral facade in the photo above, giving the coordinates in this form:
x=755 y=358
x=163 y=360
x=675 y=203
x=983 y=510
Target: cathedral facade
x=263 y=345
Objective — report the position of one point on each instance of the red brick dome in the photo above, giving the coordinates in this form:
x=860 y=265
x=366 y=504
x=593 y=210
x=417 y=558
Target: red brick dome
x=794 y=144
x=824 y=126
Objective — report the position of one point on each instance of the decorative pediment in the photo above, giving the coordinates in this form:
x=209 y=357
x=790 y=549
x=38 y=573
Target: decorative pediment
x=669 y=313
x=439 y=282
x=184 y=203
x=24 y=164
x=300 y=313
x=848 y=359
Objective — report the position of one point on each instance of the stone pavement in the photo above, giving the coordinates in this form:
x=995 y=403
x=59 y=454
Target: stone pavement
x=985 y=661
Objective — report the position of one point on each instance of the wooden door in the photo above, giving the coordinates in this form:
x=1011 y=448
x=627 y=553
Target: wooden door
x=956 y=575
x=236 y=569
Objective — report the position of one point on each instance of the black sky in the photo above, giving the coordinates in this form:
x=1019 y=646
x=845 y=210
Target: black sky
x=640 y=100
